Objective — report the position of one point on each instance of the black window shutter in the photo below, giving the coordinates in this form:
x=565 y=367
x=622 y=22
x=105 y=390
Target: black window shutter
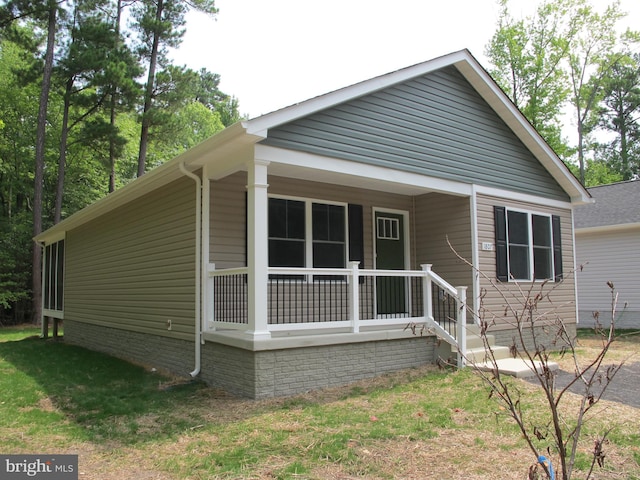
x=502 y=270
x=557 y=248
x=356 y=234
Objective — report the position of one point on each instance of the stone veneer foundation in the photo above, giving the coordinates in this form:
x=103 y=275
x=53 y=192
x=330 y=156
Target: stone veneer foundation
x=263 y=373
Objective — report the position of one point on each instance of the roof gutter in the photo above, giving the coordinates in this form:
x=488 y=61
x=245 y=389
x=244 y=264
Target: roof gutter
x=198 y=278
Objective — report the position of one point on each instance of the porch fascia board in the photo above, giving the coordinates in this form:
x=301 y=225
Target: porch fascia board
x=244 y=341
x=305 y=166
x=522 y=197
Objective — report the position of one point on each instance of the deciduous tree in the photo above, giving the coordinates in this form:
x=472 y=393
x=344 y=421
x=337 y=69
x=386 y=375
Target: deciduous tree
x=528 y=57
x=558 y=57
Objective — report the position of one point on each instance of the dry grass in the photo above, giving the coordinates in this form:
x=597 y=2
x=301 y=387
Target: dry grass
x=288 y=433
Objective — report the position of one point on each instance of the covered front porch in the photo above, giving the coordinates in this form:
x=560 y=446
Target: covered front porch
x=332 y=301
x=258 y=289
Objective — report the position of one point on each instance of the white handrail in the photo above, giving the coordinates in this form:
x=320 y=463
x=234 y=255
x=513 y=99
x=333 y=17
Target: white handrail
x=352 y=276
x=226 y=271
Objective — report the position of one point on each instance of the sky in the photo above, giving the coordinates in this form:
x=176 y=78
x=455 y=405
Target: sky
x=274 y=53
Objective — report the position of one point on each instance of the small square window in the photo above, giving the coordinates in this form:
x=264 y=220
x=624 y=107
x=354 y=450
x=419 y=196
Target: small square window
x=388 y=228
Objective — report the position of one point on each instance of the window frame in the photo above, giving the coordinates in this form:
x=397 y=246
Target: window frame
x=504 y=244
x=53 y=278
x=387 y=228
x=308 y=230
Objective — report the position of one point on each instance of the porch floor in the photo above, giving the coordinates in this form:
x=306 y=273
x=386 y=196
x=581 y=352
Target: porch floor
x=306 y=338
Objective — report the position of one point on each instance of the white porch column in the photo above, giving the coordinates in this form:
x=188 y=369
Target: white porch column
x=461 y=321
x=427 y=292
x=257 y=248
x=354 y=296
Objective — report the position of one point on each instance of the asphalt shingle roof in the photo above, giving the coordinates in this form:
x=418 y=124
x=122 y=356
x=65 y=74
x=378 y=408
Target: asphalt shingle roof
x=615 y=204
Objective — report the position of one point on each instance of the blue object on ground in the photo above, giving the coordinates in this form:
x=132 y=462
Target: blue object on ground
x=541 y=460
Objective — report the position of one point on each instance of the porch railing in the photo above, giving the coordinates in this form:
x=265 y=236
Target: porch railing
x=349 y=299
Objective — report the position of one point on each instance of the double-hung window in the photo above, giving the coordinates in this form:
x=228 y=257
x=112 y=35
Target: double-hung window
x=527 y=245
x=307 y=233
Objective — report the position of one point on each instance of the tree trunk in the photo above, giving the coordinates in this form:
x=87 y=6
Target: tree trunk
x=112 y=147
x=624 y=150
x=62 y=159
x=112 y=108
x=39 y=164
x=580 y=147
x=148 y=95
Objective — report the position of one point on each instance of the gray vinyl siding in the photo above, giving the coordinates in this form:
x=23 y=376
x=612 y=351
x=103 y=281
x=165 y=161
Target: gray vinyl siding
x=439 y=218
x=436 y=125
x=134 y=268
x=564 y=294
x=609 y=256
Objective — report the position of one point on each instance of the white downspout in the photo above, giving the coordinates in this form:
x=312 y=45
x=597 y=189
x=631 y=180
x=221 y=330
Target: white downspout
x=475 y=254
x=198 y=324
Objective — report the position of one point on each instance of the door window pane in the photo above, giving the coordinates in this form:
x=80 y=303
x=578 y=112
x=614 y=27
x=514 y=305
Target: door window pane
x=388 y=228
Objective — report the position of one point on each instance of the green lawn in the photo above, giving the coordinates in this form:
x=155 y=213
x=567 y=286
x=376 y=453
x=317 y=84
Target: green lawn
x=127 y=422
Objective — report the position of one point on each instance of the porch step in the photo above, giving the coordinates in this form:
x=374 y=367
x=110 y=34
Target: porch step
x=480 y=355
x=477 y=356
x=516 y=367
x=476 y=347
x=475 y=341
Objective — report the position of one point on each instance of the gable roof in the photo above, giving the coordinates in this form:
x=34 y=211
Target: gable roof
x=436 y=125
x=479 y=79
x=616 y=204
x=236 y=141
